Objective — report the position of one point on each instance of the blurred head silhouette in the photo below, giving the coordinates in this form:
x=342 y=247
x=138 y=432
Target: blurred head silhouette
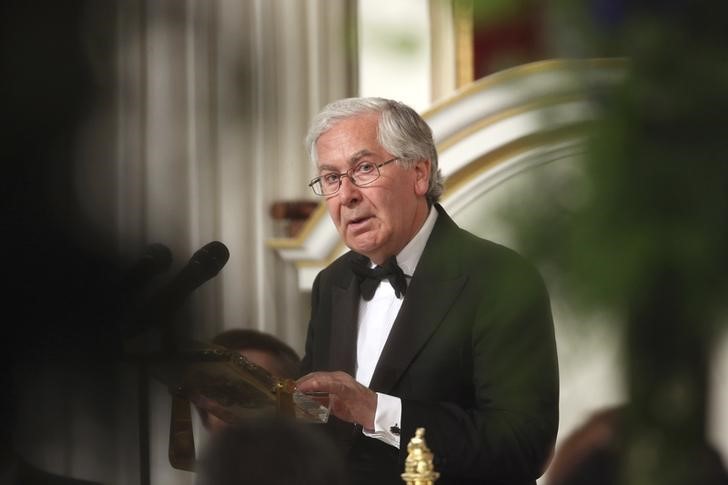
x=263 y=349
x=271 y=451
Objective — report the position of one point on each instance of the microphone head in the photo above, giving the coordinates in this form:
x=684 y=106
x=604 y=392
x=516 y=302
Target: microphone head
x=210 y=259
x=204 y=264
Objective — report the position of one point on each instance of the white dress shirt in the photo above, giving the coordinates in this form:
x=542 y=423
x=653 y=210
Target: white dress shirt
x=376 y=318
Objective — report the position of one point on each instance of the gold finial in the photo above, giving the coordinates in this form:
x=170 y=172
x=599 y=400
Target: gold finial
x=418 y=468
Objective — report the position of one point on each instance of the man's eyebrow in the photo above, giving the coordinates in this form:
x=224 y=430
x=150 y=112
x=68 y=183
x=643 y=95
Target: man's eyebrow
x=353 y=160
x=358 y=156
x=325 y=168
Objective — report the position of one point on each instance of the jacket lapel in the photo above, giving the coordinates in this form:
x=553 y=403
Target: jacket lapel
x=433 y=290
x=344 y=316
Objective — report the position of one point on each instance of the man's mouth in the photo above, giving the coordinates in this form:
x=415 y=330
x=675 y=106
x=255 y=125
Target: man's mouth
x=357 y=222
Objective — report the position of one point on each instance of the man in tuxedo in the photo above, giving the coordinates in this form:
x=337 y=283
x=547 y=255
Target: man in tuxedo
x=457 y=337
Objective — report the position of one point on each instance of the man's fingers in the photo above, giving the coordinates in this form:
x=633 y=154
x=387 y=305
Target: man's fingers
x=350 y=400
x=332 y=382
x=315 y=381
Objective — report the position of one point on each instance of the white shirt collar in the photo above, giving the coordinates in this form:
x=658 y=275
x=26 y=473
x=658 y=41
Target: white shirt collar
x=410 y=255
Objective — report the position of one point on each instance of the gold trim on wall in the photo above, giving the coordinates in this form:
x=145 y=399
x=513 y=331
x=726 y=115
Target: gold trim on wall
x=442 y=50
x=476 y=126
x=524 y=70
x=316 y=263
x=462 y=12
x=508 y=151
x=297 y=242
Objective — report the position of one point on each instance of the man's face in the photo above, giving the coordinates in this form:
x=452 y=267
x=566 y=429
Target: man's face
x=377 y=220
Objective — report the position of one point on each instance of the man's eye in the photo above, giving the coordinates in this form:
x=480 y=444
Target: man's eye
x=330 y=179
x=364 y=168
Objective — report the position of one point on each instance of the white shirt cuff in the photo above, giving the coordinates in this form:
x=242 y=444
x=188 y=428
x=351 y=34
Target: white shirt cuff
x=387 y=420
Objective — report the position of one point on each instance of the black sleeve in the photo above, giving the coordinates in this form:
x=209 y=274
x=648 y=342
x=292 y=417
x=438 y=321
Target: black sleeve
x=506 y=431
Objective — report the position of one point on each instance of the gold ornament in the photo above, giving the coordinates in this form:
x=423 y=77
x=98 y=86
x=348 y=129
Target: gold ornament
x=418 y=467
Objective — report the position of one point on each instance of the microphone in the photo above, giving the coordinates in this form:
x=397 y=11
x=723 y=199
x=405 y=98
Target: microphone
x=156 y=259
x=204 y=264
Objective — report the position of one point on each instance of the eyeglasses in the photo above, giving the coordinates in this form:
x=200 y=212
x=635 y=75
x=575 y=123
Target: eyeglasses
x=360 y=175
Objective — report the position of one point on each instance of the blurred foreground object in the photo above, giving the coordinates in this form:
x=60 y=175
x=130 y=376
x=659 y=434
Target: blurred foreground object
x=644 y=236
x=240 y=388
x=588 y=456
x=225 y=384
x=418 y=467
x=273 y=450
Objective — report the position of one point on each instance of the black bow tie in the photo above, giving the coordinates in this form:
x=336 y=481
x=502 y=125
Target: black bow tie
x=369 y=278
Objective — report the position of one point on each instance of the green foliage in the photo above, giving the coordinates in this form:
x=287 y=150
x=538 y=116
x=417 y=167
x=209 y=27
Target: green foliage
x=653 y=194
x=486 y=12
x=644 y=232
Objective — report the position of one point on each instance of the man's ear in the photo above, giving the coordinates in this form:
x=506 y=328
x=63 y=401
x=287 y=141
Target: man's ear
x=422 y=176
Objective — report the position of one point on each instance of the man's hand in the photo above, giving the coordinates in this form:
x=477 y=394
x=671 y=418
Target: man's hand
x=350 y=401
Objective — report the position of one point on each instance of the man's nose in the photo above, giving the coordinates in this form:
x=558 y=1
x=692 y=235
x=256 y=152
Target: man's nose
x=348 y=192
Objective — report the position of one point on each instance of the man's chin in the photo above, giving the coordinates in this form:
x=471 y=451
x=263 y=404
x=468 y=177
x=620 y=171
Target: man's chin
x=367 y=249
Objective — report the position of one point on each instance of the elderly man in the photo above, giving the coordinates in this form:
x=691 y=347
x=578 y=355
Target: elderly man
x=422 y=324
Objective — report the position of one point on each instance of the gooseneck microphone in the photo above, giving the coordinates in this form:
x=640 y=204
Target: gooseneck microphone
x=204 y=264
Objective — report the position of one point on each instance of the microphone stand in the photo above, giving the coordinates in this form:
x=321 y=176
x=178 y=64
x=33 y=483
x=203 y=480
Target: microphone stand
x=143 y=360
x=204 y=265
x=143 y=422
x=156 y=259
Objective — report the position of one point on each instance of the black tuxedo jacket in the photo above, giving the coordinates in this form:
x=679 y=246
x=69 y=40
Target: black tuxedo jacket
x=471 y=354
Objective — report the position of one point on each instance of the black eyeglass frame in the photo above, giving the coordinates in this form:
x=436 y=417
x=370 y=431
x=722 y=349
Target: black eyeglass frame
x=349 y=174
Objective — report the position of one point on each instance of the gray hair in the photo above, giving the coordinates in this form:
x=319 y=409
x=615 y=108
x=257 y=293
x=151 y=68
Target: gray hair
x=401 y=131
